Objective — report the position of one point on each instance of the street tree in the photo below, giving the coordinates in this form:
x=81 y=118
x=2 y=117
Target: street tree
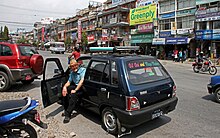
x=67 y=42
x=5 y=34
x=84 y=41
x=1 y=33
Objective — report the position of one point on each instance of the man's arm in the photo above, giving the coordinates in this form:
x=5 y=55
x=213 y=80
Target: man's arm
x=64 y=91
x=78 y=86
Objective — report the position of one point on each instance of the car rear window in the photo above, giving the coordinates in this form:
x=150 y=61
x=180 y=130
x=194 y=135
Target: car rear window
x=27 y=50
x=143 y=71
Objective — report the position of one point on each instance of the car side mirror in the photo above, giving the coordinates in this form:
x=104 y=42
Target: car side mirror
x=57 y=71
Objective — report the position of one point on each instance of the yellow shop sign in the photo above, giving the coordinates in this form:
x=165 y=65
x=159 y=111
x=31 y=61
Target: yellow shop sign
x=143 y=15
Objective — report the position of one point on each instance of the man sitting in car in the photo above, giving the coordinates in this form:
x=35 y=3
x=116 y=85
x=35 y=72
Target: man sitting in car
x=72 y=89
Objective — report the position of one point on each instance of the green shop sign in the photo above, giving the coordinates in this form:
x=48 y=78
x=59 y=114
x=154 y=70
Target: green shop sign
x=199 y=2
x=142 y=38
x=186 y=12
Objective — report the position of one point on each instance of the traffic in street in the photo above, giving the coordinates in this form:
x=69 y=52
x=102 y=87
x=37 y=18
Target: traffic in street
x=196 y=114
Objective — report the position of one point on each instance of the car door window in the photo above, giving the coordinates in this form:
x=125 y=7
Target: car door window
x=6 y=51
x=51 y=70
x=96 y=71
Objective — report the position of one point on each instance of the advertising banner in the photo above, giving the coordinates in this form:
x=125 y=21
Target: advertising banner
x=158 y=41
x=140 y=3
x=167 y=15
x=142 y=38
x=186 y=12
x=143 y=15
x=216 y=34
x=165 y=34
x=145 y=28
x=79 y=31
x=176 y=40
x=208 y=34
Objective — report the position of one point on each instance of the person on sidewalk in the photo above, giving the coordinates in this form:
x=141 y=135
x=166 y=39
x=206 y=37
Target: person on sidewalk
x=72 y=90
x=180 y=56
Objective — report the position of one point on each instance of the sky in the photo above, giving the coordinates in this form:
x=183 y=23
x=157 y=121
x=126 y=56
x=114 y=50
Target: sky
x=23 y=14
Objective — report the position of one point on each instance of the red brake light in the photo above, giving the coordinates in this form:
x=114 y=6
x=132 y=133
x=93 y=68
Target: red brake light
x=132 y=103
x=174 y=90
x=37 y=117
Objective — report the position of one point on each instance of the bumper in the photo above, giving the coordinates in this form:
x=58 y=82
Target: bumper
x=135 y=118
x=23 y=74
x=210 y=88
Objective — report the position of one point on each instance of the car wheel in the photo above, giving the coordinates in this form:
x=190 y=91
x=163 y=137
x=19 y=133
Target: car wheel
x=109 y=121
x=4 y=81
x=27 y=81
x=217 y=95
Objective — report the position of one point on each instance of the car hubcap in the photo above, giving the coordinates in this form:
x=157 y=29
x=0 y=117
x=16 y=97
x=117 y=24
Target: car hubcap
x=109 y=121
x=218 y=95
x=2 y=81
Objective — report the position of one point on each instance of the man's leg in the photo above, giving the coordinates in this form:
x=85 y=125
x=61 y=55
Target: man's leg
x=71 y=104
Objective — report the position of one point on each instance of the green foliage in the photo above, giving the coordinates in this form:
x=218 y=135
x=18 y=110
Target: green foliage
x=4 y=34
x=22 y=40
x=56 y=38
x=84 y=39
x=1 y=33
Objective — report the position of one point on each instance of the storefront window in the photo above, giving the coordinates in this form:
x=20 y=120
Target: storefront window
x=185 y=3
x=216 y=25
x=202 y=25
x=166 y=24
x=168 y=5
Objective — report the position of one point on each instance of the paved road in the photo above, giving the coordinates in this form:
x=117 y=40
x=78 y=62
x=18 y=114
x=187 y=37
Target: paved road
x=197 y=114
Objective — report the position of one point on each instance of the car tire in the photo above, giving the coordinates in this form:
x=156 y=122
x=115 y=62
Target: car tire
x=25 y=82
x=217 y=95
x=109 y=121
x=4 y=81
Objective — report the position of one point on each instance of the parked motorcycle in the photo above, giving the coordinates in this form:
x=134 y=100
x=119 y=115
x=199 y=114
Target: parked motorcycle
x=207 y=65
x=14 y=116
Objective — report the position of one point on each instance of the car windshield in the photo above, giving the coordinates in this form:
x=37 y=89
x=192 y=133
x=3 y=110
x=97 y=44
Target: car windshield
x=27 y=50
x=143 y=71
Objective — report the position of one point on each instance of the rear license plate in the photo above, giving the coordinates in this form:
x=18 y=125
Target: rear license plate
x=157 y=113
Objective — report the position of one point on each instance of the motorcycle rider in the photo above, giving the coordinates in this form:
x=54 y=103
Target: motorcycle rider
x=199 y=58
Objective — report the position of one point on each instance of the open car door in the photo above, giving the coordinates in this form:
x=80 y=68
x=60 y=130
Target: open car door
x=53 y=81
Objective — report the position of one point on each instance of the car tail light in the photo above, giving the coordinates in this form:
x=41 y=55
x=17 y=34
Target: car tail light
x=37 y=117
x=21 y=63
x=174 y=90
x=132 y=104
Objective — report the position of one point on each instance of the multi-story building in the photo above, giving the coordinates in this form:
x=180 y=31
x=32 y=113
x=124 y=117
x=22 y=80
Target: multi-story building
x=71 y=28
x=115 y=22
x=208 y=27
x=143 y=18
x=176 y=27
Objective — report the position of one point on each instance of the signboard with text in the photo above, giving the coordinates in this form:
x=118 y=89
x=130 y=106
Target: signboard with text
x=145 y=28
x=208 y=34
x=143 y=15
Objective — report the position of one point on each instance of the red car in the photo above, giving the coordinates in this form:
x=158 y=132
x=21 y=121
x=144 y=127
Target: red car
x=18 y=62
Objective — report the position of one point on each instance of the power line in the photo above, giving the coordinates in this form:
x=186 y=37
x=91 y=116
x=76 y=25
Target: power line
x=26 y=9
x=12 y=22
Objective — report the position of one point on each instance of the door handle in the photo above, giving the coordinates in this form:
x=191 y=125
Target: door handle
x=103 y=89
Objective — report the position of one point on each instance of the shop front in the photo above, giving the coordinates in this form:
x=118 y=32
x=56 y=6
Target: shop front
x=209 y=41
x=145 y=42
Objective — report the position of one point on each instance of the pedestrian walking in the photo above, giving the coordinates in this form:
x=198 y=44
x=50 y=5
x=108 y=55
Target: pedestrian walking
x=181 y=56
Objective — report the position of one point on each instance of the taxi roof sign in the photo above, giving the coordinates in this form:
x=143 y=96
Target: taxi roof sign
x=114 y=49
